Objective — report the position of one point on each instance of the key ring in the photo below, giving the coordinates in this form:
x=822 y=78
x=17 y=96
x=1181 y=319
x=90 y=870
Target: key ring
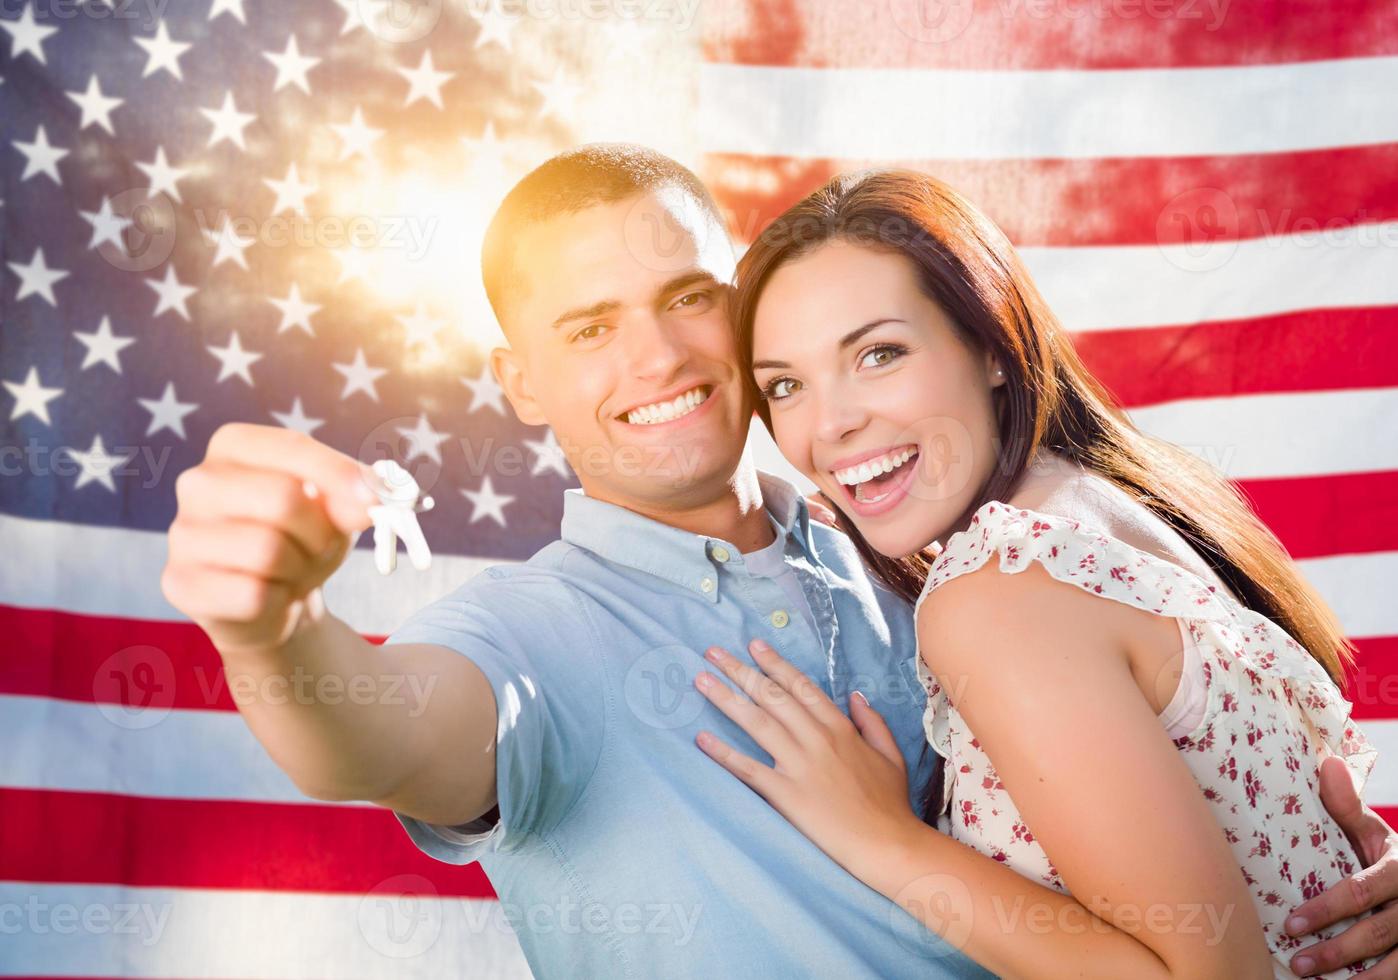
x=396 y=517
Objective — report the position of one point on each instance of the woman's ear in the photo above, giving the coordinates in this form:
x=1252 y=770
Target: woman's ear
x=513 y=379
x=994 y=371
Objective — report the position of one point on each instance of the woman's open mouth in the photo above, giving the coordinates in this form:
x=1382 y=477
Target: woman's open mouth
x=878 y=484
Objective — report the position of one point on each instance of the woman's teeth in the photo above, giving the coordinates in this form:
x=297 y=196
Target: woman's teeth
x=666 y=411
x=852 y=476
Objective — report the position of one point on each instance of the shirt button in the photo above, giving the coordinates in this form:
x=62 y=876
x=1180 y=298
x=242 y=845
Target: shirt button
x=720 y=553
x=707 y=585
x=780 y=618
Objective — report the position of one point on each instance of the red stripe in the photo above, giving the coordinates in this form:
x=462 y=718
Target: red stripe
x=1373 y=683
x=1316 y=516
x=1125 y=201
x=55 y=836
x=1055 y=34
x=1312 y=350
x=106 y=659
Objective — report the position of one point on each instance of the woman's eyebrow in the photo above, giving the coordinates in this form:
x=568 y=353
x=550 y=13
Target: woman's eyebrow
x=858 y=332
x=845 y=341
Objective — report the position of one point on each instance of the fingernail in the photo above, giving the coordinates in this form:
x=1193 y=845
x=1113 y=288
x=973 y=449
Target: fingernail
x=704 y=739
x=1296 y=924
x=704 y=680
x=714 y=654
x=1303 y=964
x=862 y=698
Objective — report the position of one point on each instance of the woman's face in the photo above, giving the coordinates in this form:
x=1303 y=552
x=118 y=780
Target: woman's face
x=874 y=395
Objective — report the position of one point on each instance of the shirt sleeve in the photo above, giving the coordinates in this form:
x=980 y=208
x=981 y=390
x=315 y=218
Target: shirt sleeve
x=533 y=641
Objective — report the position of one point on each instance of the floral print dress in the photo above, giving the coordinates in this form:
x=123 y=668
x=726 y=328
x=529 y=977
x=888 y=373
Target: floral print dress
x=1271 y=715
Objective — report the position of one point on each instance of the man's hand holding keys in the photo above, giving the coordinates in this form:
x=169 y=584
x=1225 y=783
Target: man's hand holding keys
x=261 y=523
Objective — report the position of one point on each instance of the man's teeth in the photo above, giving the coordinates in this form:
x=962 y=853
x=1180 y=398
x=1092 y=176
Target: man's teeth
x=870 y=468
x=665 y=411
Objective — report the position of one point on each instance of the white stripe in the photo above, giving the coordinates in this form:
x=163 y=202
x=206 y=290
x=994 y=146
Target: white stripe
x=1382 y=787
x=910 y=114
x=164 y=753
x=1360 y=590
x=1283 y=435
x=1120 y=287
x=58 y=572
x=399 y=930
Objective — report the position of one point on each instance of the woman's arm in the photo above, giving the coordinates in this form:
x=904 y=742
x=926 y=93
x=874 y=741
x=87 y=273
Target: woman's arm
x=1039 y=671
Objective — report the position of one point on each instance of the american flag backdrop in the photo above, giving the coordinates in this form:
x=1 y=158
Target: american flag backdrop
x=271 y=212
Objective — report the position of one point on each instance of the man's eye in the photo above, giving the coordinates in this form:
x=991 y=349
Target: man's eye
x=691 y=301
x=780 y=388
x=591 y=331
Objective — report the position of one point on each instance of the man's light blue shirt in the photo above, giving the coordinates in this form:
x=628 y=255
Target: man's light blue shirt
x=621 y=849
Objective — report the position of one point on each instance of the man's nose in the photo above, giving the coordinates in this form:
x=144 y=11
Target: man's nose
x=655 y=350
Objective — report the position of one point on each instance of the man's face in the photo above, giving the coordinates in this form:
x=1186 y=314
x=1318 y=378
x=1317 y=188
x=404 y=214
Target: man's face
x=621 y=344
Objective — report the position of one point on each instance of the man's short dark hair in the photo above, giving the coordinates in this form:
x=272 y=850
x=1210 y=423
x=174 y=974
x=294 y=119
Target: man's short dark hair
x=596 y=173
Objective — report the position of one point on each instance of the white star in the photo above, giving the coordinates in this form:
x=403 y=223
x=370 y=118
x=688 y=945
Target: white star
x=40 y=157
x=97 y=464
x=96 y=107
x=233 y=360
x=354 y=263
x=103 y=347
x=495 y=26
x=27 y=35
x=291 y=192
x=161 y=52
x=353 y=18
x=485 y=502
x=228 y=122
x=425 y=81
x=424 y=440
x=548 y=455
x=229 y=245
x=359 y=376
x=106 y=226
x=357 y=137
x=31 y=398
x=487 y=157
x=297 y=419
x=560 y=94
x=484 y=391
x=162 y=175
x=172 y=293
x=421 y=328
x=296 y=312
x=232 y=7
x=168 y=412
x=292 y=66
x=37 y=277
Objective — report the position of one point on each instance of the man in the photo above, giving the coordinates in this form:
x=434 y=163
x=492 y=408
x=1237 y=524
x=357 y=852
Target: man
x=557 y=746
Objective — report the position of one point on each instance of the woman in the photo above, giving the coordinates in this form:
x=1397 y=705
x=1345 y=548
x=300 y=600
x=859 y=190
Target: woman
x=1131 y=785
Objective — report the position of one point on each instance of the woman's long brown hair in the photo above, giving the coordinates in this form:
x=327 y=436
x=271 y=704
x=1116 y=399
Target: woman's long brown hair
x=1050 y=401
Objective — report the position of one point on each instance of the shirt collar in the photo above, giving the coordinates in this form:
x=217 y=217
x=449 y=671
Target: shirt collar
x=686 y=559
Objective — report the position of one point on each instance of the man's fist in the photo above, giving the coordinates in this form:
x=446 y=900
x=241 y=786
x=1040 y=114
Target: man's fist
x=267 y=516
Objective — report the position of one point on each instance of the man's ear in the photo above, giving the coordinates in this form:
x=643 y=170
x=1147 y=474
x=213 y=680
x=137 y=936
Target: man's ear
x=513 y=379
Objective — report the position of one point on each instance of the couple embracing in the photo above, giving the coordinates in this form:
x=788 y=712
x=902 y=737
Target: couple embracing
x=1022 y=691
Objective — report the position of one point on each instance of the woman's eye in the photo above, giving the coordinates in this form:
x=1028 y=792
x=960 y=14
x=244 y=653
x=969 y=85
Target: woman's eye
x=879 y=356
x=781 y=388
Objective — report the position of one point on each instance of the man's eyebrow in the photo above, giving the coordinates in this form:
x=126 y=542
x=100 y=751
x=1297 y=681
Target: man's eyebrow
x=588 y=312
x=680 y=282
x=845 y=341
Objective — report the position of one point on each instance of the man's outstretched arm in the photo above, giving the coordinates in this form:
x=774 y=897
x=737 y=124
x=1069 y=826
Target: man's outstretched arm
x=262 y=522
